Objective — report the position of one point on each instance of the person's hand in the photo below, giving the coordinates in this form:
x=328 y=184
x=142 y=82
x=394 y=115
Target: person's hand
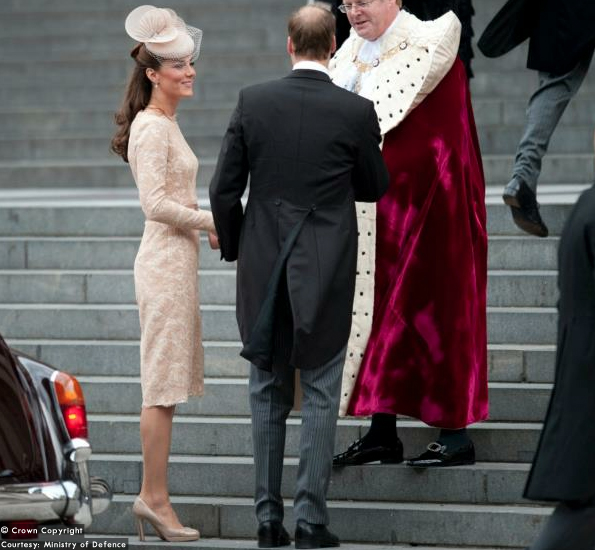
x=214 y=241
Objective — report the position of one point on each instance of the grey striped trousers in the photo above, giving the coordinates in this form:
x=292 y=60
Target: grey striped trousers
x=271 y=400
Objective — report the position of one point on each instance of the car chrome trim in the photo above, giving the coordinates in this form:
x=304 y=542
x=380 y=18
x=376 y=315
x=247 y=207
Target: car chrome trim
x=77 y=450
x=35 y=501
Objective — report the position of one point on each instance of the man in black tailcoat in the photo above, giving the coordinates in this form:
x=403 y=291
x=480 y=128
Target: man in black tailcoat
x=311 y=150
x=564 y=466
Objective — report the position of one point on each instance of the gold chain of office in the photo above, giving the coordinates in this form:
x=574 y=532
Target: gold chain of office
x=364 y=67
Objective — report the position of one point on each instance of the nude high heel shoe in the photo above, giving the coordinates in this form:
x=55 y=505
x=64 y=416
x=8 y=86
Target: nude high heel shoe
x=143 y=513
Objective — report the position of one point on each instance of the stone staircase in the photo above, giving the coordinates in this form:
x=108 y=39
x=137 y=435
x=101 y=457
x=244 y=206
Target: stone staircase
x=70 y=225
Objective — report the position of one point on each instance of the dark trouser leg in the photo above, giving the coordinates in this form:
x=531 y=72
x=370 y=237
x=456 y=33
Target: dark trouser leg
x=320 y=406
x=271 y=400
x=546 y=106
x=570 y=527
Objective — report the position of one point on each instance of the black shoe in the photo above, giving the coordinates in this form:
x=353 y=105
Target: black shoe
x=524 y=208
x=439 y=455
x=309 y=535
x=272 y=534
x=358 y=453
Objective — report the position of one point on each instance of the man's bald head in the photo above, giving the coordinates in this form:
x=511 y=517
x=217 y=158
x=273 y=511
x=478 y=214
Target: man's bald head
x=311 y=32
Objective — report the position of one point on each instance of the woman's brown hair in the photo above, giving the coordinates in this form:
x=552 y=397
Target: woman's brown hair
x=138 y=94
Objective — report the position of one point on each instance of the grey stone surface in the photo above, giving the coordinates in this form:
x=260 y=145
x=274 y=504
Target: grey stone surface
x=506 y=252
x=122 y=358
x=522 y=288
x=557 y=169
x=231 y=436
x=76 y=147
x=388 y=523
x=126 y=220
x=507 y=363
x=110 y=172
x=520 y=402
x=104 y=322
x=482 y=483
x=86 y=254
x=120 y=321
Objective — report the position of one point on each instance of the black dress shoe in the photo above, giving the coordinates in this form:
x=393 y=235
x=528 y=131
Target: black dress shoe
x=309 y=535
x=272 y=534
x=439 y=455
x=358 y=453
x=524 y=208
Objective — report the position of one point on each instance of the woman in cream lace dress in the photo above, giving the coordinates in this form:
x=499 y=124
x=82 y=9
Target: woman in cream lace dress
x=165 y=269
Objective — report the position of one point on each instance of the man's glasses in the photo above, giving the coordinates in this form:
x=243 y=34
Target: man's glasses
x=347 y=8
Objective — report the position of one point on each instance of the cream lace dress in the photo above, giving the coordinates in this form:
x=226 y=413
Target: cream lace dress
x=165 y=270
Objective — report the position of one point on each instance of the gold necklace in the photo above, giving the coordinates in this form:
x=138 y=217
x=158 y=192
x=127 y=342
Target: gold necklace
x=364 y=67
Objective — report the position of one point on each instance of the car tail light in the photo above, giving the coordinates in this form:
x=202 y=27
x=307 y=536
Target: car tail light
x=72 y=403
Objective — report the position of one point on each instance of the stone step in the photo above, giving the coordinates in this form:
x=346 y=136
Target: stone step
x=517 y=82
x=509 y=402
x=499 y=140
x=109 y=21
x=116 y=44
x=36 y=120
x=231 y=436
x=87 y=216
x=104 y=253
x=106 y=322
x=217 y=287
x=506 y=325
x=506 y=363
x=80 y=172
x=108 y=72
x=87 y=253
x=206 y=91
x=84 y=147
x=505 y=288
x=498 y=111
x=394 y=523
x=112 y=172
x=482 y=483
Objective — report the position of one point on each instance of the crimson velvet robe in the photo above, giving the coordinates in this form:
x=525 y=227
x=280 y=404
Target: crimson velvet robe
x=426 y=356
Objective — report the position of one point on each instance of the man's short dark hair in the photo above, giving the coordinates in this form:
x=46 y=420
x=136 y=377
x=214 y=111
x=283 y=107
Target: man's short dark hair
x=311 y=29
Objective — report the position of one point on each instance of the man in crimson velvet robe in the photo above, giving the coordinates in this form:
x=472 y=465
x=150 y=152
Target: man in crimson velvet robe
x=418 y=344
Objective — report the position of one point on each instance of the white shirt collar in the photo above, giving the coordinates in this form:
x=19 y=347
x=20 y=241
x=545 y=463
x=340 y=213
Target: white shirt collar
x=311 y=66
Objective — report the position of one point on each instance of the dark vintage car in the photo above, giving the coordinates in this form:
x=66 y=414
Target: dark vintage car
x=44 y=451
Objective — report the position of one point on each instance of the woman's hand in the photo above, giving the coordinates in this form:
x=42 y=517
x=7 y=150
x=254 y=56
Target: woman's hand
x=214 y=241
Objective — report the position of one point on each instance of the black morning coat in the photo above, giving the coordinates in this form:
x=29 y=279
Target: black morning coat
x=311 y=150
x=564 y=466
x=561 y=32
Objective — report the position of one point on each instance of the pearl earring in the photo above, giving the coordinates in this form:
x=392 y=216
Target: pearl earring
x=156 y=85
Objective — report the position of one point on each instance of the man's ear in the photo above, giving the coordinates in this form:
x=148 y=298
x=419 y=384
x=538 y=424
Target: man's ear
x=334 y=46
x=290 y=47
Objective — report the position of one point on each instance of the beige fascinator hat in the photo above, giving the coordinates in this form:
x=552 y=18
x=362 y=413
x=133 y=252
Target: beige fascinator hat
x=164 y=33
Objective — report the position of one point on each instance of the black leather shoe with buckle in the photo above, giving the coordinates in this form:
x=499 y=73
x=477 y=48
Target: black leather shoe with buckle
x=438 y=455
x=359 y=453
x=309 y=535
x=524 y=208
x=272 y=534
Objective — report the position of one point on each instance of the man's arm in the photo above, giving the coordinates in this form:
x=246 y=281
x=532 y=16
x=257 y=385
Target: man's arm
x=228 y=186
x=370 y=177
